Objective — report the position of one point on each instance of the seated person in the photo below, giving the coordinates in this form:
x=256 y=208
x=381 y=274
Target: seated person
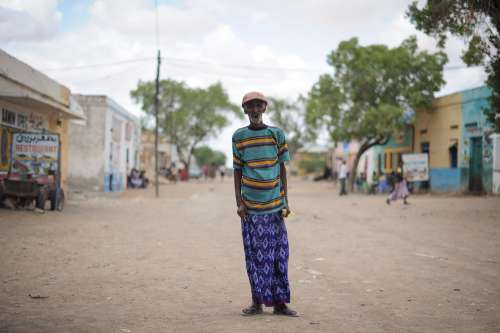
x=145 y=180
x=135 y=179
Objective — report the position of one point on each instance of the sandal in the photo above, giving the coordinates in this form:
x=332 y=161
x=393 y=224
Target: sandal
x=252 y=310
x=283 y=310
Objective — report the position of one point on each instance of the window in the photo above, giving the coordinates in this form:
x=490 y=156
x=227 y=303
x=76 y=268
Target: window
x=22 y=121
x=8 y=117
x=129 y=128
x=453 y=150
x=425 y=149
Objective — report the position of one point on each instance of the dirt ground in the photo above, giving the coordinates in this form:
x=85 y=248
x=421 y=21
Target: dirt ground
x=134 y=263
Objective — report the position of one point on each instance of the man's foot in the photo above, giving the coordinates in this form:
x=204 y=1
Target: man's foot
x=252 y=310
x=284 y=310
x=387 y=201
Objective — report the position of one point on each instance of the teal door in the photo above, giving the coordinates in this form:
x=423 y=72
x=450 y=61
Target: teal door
x=476 y=165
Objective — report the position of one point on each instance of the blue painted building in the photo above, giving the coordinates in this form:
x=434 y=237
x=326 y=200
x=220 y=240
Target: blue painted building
x=455 y=134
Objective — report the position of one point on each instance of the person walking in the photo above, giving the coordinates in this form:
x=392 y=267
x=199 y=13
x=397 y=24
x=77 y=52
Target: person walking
x=399 y=189
x=260 y=183
x=343 y=178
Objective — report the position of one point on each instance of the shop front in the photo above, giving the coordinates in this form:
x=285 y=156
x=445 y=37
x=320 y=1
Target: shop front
x=35 y=111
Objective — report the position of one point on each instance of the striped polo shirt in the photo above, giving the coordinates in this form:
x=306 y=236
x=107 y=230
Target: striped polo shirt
x=258 y=153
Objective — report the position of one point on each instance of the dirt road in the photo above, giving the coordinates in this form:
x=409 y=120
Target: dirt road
x=175 y=264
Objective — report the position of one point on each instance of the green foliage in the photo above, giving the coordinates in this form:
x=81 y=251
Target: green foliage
x=371 y=88
x=478 y=22
x=289 y=116
x=315 y=164
x=187 y=115
x=206 y=156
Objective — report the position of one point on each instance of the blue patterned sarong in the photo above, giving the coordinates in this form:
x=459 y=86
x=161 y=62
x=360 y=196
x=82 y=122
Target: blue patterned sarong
x=265 y=242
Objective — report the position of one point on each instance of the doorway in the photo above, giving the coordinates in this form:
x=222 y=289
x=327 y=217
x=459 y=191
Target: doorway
x=476 y=165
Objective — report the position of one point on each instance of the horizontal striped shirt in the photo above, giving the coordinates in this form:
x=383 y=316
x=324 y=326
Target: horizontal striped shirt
x=259 y=153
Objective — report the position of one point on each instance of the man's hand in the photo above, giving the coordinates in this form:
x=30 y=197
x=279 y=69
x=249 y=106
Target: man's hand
x=242 y=211
x=285 y=212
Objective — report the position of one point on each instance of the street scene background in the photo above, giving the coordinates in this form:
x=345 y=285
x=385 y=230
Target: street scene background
x=175 y=264
x=122 y=123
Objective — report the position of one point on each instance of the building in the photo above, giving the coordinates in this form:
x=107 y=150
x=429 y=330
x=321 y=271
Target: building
x=387 y=158
x=31 y=102
x=496 y=163
x=344 y=151
x=456 y=135
x=147 y=153
x=380 y=159
x=104 y=147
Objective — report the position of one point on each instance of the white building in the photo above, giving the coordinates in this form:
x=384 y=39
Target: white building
x=105 y=147
x=496 y=163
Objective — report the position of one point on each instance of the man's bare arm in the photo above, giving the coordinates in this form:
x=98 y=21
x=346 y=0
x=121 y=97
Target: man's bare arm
x=237 y=192
x=237 y=186
x=284 y=181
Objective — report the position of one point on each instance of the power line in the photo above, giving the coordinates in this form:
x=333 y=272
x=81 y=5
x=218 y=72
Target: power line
x=195 y=62
x=108 y=76
x=156 y=104
x=180 y=62
x=247 y=67
x=455 y=67
x=116 y=63
x=157 y=26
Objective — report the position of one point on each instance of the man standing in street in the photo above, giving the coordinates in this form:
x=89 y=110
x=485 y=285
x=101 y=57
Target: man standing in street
x=343 y=178
x=260 y=183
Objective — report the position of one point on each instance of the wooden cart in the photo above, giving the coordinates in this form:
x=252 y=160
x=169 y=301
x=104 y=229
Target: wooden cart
x=25 y=188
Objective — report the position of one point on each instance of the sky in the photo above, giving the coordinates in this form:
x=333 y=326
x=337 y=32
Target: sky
x=279 y=48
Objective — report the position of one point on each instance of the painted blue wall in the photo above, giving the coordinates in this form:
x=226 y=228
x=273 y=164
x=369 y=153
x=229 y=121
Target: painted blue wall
x=473 y=102
x=406 y=142
x=446 y=180
x=118 y=183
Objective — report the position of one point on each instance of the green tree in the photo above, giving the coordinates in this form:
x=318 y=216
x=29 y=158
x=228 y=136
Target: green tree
x=188 y=116
x=478 y=22
x=314 y=164
x=370 y=90
x=289 y=116
x=206 y=156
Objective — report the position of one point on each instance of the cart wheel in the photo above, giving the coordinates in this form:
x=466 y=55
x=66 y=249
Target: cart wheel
x=41 y=197
x=57 y=200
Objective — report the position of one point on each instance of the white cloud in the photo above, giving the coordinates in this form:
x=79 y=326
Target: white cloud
x=246 y=45
x=30 y=20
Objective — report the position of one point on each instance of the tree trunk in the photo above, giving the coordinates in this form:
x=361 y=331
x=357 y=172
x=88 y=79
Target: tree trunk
x=362 y=149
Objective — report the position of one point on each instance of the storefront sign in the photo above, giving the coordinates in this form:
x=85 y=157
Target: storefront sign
x=34 y=154
x=416 y=167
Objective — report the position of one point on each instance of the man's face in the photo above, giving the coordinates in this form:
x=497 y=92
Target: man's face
x=254 y=109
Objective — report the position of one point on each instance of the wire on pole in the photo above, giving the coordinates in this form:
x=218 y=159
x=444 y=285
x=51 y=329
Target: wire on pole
x=157 y=93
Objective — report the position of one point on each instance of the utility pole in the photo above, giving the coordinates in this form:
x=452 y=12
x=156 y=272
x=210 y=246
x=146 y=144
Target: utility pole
x=157 y=93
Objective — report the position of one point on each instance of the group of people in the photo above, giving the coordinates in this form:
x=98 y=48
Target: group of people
x=395 y=182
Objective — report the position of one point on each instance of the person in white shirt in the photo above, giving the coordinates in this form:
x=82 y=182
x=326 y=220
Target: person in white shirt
x=343 y=178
